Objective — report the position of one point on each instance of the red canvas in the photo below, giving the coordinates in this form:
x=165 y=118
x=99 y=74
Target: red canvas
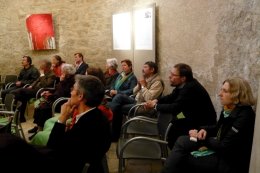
x=40 y=31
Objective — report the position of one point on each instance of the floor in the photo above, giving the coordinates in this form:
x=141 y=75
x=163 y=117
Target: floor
x=132 y=166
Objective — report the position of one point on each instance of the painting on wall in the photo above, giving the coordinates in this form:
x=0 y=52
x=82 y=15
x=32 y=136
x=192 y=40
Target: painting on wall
x=40 y=31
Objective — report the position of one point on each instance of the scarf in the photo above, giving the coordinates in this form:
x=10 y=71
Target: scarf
x=226 y=112
x=121 y=80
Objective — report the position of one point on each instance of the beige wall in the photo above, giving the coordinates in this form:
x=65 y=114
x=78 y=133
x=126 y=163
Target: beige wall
x=218 y=38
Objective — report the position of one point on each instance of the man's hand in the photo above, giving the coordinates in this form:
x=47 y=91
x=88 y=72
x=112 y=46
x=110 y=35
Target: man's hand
x=18 y=83
x=66 y=111
x=113 y=92
x=143 y=82
x=150 y=104
x=193 y=133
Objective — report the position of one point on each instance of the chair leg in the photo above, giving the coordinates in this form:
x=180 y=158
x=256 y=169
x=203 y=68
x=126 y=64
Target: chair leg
x=120 y=165
x=21 y=131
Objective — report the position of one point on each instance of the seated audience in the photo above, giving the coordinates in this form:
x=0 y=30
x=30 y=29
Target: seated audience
x=189 y=103
x=43 y=110
x=149 y=87
x=67 y=151
x=57 y=64
x=42 y=137
x=125 y=82
x=227 y=150
x=111 y=72
x=26 y=76
x=103 y=106
x=46 y=79
x=80 y=65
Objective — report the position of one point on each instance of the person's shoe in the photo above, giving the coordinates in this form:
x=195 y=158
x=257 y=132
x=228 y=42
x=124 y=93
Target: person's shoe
x=31 y=137
x=33 y=130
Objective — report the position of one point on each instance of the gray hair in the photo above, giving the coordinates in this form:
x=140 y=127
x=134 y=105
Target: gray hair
x=92 y=89
x=68 y=69
x=112 y=63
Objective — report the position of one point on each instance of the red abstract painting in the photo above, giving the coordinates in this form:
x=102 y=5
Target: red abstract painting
x=40 y=31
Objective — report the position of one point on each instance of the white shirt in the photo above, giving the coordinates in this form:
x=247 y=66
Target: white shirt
x=80 y=115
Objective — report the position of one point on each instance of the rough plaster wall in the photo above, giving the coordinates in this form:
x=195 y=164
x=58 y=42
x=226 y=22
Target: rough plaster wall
x=187 y=33
x=217 y=38
x=80 y=26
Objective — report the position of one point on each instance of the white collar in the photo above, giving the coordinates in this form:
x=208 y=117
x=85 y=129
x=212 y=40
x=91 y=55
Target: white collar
x=80 y=115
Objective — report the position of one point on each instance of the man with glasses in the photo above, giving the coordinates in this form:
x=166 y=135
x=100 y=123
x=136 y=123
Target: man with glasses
x=189 y=103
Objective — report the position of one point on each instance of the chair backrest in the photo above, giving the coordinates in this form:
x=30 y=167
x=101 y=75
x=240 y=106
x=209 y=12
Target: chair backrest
x=164 y=120
x=9 y=102
x=16 y=116
x=85 y=168
x=57 y=104
x=10 y=78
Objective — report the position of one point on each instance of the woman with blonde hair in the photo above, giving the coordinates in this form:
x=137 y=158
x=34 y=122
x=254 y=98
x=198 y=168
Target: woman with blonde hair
x=225 y=149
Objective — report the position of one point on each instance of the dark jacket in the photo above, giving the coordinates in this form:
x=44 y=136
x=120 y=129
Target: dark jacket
x=82 y=68
x=110 y=80
x=235 y=140
x=63 y=88
x=44 y=81
x=127 y=86
x=193 y=101
x=28 y=76
x=87 y=141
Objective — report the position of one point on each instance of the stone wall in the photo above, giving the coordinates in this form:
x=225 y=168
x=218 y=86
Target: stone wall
x=218 y=39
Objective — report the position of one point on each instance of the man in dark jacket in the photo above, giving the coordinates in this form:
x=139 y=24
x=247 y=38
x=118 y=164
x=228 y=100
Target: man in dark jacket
x=80 y=65
x=26 y=76
x=189 y=103
x=46 y=79
x=67 y=150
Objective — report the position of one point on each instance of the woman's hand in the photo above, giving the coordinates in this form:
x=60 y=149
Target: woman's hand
x=202 y=134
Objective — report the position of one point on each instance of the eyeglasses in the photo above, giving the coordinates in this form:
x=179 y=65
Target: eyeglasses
x=175 y=74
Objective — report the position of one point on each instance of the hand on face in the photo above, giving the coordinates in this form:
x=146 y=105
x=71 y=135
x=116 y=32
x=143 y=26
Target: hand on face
x=67 y=110
x=142 y=82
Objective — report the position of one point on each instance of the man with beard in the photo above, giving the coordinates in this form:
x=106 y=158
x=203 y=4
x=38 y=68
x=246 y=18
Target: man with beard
x=189 y=104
